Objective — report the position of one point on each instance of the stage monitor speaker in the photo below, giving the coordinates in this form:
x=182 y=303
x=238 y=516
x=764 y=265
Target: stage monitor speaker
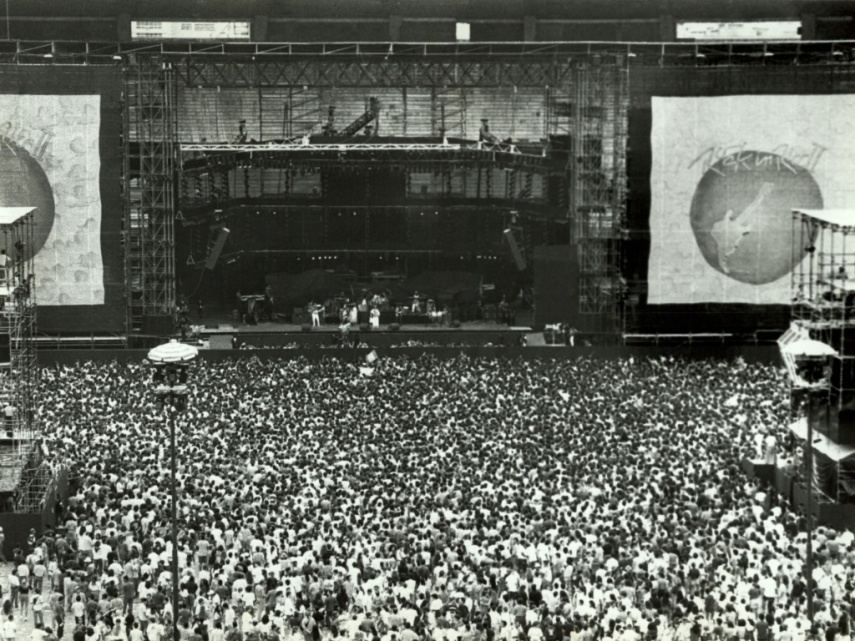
x=556 y=285
x=217 y=249
x=515 y=250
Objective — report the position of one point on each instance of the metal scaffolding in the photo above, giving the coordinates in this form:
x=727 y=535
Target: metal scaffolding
x=823 y=286
x=149 y=171
x=598 y=192
x=823 y=309
x=22 y=470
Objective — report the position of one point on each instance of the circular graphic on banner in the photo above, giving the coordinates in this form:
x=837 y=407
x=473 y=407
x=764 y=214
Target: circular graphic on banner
x=741 y=215
x=23 y=183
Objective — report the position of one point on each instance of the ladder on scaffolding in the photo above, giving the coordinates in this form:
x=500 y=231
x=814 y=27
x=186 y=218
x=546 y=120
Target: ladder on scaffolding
x=288 y=112
x=448 y=112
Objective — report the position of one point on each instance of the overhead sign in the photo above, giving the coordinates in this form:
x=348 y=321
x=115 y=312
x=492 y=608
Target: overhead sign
x=765 y=30
x=189 y=30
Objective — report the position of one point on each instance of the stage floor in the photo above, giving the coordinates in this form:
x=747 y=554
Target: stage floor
x=213 y=326
x=216 y=321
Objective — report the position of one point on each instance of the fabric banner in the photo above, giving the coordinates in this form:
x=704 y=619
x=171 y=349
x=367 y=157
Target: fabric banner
x=49 y=159
x=726 y=174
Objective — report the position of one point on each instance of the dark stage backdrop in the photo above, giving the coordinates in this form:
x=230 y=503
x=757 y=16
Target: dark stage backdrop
x=60 y=128
x=356 y=244
x=556 y=285
x=678 y=264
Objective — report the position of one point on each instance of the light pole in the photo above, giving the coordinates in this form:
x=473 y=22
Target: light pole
x=171 y=362
x=806 y=362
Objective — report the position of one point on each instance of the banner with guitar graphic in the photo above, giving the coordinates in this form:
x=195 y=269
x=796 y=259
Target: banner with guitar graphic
x=49 y=159
x=726 y=174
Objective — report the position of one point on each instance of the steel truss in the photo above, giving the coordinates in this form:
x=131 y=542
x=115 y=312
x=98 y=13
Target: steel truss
x=504 y=148
x=377 y=72
x=276 y=60
x=202 y=214
x=20 y=375
x=598 y=192
x=150 y=126
x=201 y=159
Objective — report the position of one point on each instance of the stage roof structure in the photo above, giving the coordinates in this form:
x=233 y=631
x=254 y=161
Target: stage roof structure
x=11 y=215
x=841 y=218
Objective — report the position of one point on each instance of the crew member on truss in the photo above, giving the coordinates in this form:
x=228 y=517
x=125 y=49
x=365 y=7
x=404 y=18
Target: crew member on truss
x=241 y=137
x=484 y=134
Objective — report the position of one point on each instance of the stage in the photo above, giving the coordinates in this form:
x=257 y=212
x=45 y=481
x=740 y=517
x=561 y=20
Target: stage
x=221 y=322
x=266 y=334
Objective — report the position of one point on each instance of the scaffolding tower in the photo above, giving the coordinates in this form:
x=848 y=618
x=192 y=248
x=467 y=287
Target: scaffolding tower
x=23 y=473
x=598 y=192
x=823 y=309
x=150 y=138
x=823 y=286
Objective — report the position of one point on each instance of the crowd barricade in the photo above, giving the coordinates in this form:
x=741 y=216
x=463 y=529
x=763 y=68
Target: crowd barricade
x=751 y=354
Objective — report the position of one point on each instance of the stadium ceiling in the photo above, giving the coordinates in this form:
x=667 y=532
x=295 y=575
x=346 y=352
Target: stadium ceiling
x=423 y=20
x=472 y=9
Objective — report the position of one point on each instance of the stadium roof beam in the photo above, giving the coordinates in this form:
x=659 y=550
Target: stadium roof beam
x=420 y=58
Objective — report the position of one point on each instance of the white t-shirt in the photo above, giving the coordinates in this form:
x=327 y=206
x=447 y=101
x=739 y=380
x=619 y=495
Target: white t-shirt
x=9 y=629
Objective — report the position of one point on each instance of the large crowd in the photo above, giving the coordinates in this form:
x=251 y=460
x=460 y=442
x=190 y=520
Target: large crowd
x=446 y=500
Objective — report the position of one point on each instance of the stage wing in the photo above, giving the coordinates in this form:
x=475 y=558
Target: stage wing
x=726 y=174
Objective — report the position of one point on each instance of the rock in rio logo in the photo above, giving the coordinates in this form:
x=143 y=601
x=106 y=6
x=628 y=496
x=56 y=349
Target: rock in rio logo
x=741 y=211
